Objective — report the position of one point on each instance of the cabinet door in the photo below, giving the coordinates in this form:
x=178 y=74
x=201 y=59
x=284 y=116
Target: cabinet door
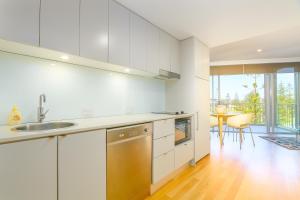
x=138 y=42
x=119 y=34
x=82 y=166
x=202 y=144
x=152 y=55
x=19 y=21
x=163 y=145
x=164 y=51
x=28 y=170
x=175 y=64
x=60 y=25
x=162 y=166
x=163 y=128
x=184 y=153
x=94 y=29
x=202 y=61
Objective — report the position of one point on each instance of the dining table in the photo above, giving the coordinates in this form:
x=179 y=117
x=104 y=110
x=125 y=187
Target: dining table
x=222 y=117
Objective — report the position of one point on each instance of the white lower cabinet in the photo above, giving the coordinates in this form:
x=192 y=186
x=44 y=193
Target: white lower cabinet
x=163 y=128
x=163 y=149
x=82 y=166
x=162 y=166
x=184 y=153
x=28 y=170
x=163 y=145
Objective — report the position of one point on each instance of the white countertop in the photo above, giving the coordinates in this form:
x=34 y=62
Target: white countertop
x=81 y=125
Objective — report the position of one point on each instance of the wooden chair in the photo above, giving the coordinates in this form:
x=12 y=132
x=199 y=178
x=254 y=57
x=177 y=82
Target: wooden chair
x=241 y=122
x=213 y=122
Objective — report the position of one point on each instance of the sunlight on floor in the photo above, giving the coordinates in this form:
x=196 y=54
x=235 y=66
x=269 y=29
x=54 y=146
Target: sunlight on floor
x=266 y=171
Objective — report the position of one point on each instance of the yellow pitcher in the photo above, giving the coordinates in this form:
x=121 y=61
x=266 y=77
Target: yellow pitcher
x=14 y=117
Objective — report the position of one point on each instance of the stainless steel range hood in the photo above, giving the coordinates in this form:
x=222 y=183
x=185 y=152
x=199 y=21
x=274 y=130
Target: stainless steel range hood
x=166 y=75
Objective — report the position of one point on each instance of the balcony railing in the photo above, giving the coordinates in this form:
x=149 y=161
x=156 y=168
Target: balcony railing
x=286 y=116
x=285 y=113
x=257 y=109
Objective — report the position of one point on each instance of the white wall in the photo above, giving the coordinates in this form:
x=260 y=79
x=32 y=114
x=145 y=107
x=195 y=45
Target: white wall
x=73 y=91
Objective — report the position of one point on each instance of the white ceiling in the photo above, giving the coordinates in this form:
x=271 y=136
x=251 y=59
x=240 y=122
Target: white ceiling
x=278 y=44
x=221 y=22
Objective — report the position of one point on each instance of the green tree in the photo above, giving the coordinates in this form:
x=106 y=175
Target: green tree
x=285 y=105
x=237 y=103
x=253 y=102
x=228 y=98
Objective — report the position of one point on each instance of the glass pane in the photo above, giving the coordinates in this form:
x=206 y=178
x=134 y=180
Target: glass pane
x=214 y=92
x=241 y=93
x=245 y=94
x=285 y=106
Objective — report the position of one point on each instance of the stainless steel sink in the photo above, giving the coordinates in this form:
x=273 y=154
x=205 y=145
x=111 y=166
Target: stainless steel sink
x=43 y=126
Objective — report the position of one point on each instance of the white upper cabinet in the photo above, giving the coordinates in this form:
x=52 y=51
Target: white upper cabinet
x=82 y=166
x=19 y=21
x=28 y=170
x=152 y=55
x=164 y=51
x=119 y=34
x=138 y=42
x=60 y=25
x=94 y=29
x=202 y=61
x=101 y=30
x=168 y=53
x=175 y=64
x=144 y=45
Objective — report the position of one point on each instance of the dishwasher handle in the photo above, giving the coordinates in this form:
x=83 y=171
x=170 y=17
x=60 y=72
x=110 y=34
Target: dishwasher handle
x=128 y=133
x=127 y=140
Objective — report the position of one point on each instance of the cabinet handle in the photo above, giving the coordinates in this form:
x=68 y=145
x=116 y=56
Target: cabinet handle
x=197 y=121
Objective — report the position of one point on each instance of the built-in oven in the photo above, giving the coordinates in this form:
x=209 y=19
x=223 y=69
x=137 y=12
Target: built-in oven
x=183 y=130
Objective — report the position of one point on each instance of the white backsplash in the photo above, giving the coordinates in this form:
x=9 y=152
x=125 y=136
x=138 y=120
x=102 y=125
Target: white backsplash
x=73 y=91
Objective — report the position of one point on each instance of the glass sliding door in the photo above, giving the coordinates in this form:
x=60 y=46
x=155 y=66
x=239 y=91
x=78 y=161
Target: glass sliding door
x=285 y=101
x=297 y=92
x=242 y=93
x=214 y=92
x=270 y=91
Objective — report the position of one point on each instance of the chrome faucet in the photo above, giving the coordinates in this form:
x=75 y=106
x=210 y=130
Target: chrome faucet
x=41 y=114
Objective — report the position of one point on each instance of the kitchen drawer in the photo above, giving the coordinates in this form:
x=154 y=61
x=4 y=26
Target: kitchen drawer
x=163 y=145
x=184 y=153
x=162 y=166
x=163 y=128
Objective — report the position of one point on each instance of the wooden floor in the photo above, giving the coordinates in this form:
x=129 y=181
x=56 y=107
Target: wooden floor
x=264 y=172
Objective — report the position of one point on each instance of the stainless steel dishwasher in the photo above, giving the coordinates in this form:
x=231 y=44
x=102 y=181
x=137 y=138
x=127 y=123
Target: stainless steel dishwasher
x=129 y=151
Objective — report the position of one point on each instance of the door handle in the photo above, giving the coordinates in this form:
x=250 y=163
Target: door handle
x=197 y=121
